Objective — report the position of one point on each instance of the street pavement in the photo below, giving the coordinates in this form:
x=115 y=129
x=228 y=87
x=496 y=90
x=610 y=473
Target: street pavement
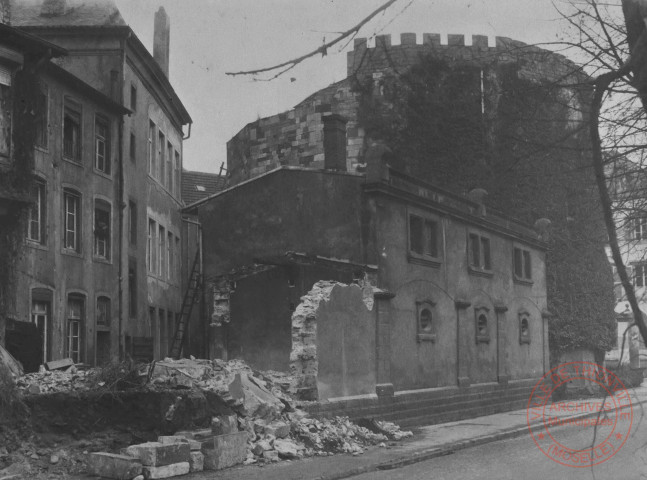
x=442 y=444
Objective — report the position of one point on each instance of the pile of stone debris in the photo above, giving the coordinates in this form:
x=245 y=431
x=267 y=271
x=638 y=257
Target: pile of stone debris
x=273 y=425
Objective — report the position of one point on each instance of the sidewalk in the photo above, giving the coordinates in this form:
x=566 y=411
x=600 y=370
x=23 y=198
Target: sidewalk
x=428 y=442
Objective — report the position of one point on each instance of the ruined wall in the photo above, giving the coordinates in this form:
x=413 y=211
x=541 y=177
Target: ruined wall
x=309 y=212
x=255 y=310
x=333 y=342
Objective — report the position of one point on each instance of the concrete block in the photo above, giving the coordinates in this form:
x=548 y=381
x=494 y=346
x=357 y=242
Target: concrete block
x=167 y=471
x=155 y=454
x=196 y=462
x=225 y=451
x=195 y=445
x=110 y=465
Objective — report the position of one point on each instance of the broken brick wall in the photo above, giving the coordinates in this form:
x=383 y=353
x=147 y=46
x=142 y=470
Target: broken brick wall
x=333 y=342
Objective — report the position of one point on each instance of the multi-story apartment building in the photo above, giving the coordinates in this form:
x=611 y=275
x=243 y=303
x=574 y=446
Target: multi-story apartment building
x=102 y=275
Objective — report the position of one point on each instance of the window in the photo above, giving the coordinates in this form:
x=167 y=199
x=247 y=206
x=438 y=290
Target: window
x=36 y=225
x=102 y=145
x=133 y=97
x=524 y=327
x=151 y=149
x=152 y=246
x=481 y=315
x=639 y=228
x=72 y=220
x=160 y=158
x=40 y=316
x=479 y=252
x=423 y=239
x=162 y=252
x=72 y=131
x=103 y=311
x=426 y=321
x=132 y=287
x=170 y=246
x=42 y=116
x=178 y=167
x=133 y=147
x=102 y=229
x=640 y=275
x=522 y=264
x=74 y=324
x=132 y=222
x=169 y=166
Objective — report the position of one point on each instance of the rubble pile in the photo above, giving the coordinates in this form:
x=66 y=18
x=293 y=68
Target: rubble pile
x=267 y=418
x=55 y=381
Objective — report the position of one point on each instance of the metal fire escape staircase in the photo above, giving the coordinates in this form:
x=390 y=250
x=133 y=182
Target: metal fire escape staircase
x=191 y=297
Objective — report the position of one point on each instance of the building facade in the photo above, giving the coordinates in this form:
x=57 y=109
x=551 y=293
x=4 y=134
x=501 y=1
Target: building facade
x=460 y=299
x=21 y=58
x=110 y=266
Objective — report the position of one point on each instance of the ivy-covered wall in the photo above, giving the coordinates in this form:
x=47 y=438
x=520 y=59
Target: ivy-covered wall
x=15 y=183
x=525 y=141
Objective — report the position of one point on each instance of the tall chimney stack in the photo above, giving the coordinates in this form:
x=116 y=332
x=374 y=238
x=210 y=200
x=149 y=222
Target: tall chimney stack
x=162 y=39
x=334 y=140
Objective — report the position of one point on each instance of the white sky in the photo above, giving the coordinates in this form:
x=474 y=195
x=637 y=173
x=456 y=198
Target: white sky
x=210 y=37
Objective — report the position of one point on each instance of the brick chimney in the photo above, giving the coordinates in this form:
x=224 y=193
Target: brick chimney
x=334 y=140
x=53 y=8
x=162 y=39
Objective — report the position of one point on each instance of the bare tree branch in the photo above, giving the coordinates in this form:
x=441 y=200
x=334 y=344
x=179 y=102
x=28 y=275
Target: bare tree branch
x=290 y=64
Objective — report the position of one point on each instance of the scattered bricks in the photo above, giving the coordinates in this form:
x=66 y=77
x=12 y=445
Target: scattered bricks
x=110 y=465
x=224 y=424
x=279 y=429
x=228 y=450
x=196 y=462
x=167 y=471
x=155 y=454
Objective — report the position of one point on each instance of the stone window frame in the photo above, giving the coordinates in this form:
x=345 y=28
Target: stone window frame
x=522 y=272
x=426 y=334
x=427 y=258
x=72 y=224
x=524 y=336
x=482 y=335
x=75 y=326
x=483 y=264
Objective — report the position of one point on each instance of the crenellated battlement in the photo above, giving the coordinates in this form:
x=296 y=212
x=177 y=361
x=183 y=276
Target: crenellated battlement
x=380 y=53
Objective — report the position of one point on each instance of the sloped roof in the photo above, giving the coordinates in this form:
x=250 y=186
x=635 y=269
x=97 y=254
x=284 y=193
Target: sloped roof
x=56 y=13
x=199 y=185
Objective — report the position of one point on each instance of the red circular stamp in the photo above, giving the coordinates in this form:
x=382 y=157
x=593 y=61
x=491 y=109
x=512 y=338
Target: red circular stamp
x=603 y=424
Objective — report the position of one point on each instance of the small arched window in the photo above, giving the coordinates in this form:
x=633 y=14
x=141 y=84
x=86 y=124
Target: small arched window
x=481 y=316
x=426 y=322
x=524 y=327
